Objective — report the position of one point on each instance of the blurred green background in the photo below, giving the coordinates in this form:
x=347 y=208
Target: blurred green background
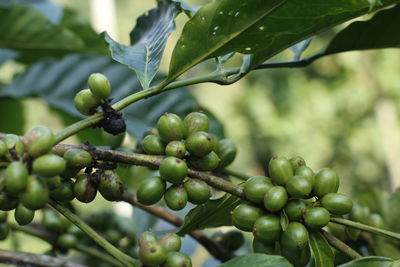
x=341 y=112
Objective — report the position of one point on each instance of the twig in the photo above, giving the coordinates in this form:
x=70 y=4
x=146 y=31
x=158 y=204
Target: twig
x=339 y=245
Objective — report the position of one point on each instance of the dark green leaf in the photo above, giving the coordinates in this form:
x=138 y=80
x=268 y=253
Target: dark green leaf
x=370 y=262
x=259 y=260
x=214 y=213
x=148 y=40
x=322 y=251
x=12 y=119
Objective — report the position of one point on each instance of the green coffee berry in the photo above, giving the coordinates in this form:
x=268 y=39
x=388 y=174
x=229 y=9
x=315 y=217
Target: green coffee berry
x=99 y=85
x=48 y=165
x=23 y=215
x=153 y=145
x=16 y=177
x=36 y=193
x=173 y=170
x=146 y=237
x=297 y=162
x=13 y=141
x=113 y=235
x=376 y=220
x=67 y=241
x=85 y=102
x=38 y=141
x=3 y=148
x=360 y=213
x=113 y=141
x=151 y=190
x=199 y=144
x=54 y=222
x=110 y=186
x=326 y=181
x=226 y=151
x=64 y=192
x=298 y=186
x=232 y=240
x=171 y=242
x=275 y=198
x=3 y=216
x=295 y=209
x=268 y=229
x=53 y=182
x=244 y=216
x=336 y=203
x=84 y=189
x=280 y=170
x=177 y=259
x=176 y=197
x=197 y=190
x=299 y=258
x=316 y=218
x=7 y=202
x=295 y=237
x=77 y=158
x=260 y=247
x=208 y=162
x=175 y=149
x=170 y=127
x=256 y=187
x=307 y=173
x=196 y=122
x=151 y=253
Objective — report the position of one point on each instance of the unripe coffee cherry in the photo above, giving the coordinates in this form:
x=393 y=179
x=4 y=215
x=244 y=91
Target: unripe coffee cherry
x=307 y=173
x=199 y=144
x=85 y=102
x=170 y=127
x=177 y=259
x=146 y=237
x=244 y=216
x=53 y=182
x=298 y=258
x=198 y=191
x=208 y=162
x=4 y=231
x=16 y=177
x=77 y=158
x=297 y=162
x=113 y=141
x=295 y=209
x=196 y=122
x=295 y=237
x=268 y=229
x=316 y=218
x=256 y=187
x=99 y=85
x=171 y=242
x=3 y=216
x=298 y=187
x=260 y=247
x=67 y=241
x=226 y=151
x=176 y=197
x=336 y=203
x=376 y=220
x=232 y=240
x=326 y=181
x=48 y=165
x=38 y=141
x=84 y=189
x=110 y=186
x=64 y=192
x=153 y=145
x=173 y=170
x=36 y=193
x=7 y=202
x=360 y=213
x=13 y=141
x=150 y=252
x=175 y=149
x=275 y=198
x=23 y=215
x=53 y=222
x=3 y=148
x=280 y=170
x=151 y=190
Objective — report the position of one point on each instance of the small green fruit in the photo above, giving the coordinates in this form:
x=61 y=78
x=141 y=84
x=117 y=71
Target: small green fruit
x=23 y=215
x=3 y=148
x=147 y=237
x=48 y=165
x=376 y=220
x=232 y=240
x=244 y=216
x=198 y=191
x=53 y=182
x=175 y=149
x=295 y=209
x=99 y=85
x=176 y=197
x=307 y=173
x=36 y=193
x=151 y=190
x=226 y=151
x=199 y=144
x=16 y=177
x=84 y=189
x=316 y=218
x=38 y=141
x=260 y=247
x=177 y=259
x=110 y=186
x=4 y=231
x=326 y=181
x=298 y=187
x=170 y=127
x=153 y=145
x=3 y=216
x=196 y=122
x=7 y=202
x=113 y=141
x=268 y=229
x=151 y=253
x=67 y=241
x=85 y=102
x=13 y=141
x=64 y=192
x=298 y=258
x=280 y=170
x=297 y=162
x=275 y=198
x=173 y=170
x=171 y=242
x=295 y=237
x=336 y=203
x=54 y=222
x=360 y=213
x=256 y=187
x=208 y=162
x=77 y=158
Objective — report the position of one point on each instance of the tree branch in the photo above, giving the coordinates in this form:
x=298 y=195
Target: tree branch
x=339 y=245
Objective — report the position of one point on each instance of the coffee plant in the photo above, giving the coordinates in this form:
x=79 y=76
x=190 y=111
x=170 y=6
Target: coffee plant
x=179 y=170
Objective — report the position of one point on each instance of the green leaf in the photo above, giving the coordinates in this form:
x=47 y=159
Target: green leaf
x=214 y=213
x=148 y=40
x=371 y=262
x=322 y=251
x=27 y=31
x=257 y=259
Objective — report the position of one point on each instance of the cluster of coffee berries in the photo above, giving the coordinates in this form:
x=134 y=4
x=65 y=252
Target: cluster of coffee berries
x=184 y=142
x=163 y=252
x=293 y=191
